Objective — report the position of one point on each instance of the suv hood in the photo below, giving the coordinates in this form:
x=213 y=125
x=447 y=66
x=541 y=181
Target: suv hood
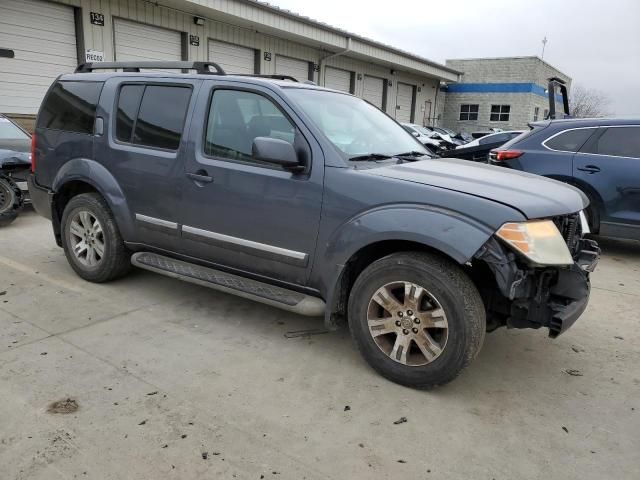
x=533 y=195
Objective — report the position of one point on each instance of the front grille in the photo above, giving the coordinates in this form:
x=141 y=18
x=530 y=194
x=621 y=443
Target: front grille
x=570 y=228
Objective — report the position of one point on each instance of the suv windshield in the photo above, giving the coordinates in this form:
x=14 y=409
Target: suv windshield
x=354 y=126
x=8 y=131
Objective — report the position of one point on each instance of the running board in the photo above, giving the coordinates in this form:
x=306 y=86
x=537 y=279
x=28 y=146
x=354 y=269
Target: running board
x=226 y=282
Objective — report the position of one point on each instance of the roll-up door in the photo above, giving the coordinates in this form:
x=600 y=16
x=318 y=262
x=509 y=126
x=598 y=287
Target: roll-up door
x=337 y=79
x=298 y=69
x=138 y=41
x=232 y=58
x=373 y=90
x=404 y=103
x=41 y=37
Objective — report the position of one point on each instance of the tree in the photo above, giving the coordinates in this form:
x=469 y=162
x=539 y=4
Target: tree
x=588 y=102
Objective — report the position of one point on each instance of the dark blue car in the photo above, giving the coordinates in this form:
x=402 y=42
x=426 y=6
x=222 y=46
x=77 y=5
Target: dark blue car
x=599 y=156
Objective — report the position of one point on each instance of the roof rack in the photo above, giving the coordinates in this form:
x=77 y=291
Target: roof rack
x=260 y=75
x=199 y=67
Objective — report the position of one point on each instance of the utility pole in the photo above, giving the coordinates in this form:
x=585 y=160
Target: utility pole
x=544 y=44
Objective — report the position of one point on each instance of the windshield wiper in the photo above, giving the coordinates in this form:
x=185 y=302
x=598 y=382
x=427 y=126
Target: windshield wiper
x=413 y=153
x=369 y=156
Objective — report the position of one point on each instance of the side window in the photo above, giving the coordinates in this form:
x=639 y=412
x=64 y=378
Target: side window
x=71 y=106
x=236 y=118
x=161 y=116
x=619 y=142
x=570 y=141
x=501 y=137
x=128 y=104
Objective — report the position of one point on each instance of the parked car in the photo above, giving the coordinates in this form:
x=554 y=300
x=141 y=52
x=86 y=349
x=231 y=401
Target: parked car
x=310 y=200
x=424 y=136
x=15 y=162
x=478 y=149
x=448 y=137
x=599 y=156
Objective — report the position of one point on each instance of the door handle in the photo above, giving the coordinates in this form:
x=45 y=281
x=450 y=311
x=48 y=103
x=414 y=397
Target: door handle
x=589 y=169
x=200 y=176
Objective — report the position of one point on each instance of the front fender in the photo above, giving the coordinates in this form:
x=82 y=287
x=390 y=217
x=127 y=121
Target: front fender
x=96 y=175
x=447 y=231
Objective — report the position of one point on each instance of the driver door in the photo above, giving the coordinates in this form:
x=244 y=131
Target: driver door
x=238 y=211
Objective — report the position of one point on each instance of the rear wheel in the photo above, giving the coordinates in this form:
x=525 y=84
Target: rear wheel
x=416 y=318
x=91 y=239
x=11 y=200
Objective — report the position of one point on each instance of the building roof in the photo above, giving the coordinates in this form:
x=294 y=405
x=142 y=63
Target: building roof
x=521 y=57
x=308 y=30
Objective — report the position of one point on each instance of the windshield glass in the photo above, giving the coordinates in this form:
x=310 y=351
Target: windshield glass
x=354 y=126
x=8 y=131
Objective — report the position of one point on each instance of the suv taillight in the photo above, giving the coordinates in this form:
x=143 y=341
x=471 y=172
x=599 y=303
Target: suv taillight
x=502 y=155
x=33 y=153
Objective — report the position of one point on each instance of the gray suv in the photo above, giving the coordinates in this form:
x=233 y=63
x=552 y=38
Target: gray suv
x=310 y=200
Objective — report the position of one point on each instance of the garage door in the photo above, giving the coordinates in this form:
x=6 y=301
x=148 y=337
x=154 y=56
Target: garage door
x=137 y=41
x=298 y=69
x=43 y=40
x=337 y=79
x=232 y=58
x=404 y=103
x=373 y=90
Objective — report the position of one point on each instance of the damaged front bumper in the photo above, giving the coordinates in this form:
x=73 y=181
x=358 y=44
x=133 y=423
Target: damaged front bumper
x=534 y=297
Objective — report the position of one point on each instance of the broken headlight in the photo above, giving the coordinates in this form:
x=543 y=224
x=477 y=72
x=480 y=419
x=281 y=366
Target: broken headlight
x=538 y=240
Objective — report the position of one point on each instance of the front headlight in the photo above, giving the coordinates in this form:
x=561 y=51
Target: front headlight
x=538 y=240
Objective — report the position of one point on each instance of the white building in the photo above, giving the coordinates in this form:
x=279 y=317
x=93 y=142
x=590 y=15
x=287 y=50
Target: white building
x=41 y=39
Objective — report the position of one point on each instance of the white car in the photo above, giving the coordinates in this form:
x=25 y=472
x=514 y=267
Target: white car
x=503 y=137
x=423 y=135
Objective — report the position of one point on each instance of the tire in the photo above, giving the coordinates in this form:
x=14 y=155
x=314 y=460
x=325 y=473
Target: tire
x=110 y=258
x=11 y=200
x=449 y=303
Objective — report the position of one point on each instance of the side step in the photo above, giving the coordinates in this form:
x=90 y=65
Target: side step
x=226 y=282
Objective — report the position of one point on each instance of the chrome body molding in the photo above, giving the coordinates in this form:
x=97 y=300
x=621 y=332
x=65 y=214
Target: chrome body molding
x=249 y=246
x=156 y=221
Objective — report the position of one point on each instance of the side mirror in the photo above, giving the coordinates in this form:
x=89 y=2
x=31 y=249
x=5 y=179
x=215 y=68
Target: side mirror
x=276 y=151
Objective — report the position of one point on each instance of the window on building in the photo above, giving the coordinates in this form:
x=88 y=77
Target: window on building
x=546 y=113
x=71 y=106
x=469 y=112
x=236 y=118
x=618 y=142
x=536 y=113
x=571 y=140
x=500 y=113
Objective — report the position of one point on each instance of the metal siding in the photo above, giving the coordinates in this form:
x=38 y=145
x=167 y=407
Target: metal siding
x=338 y=79
x=373 y=90
x=298 y=69
x=232 y=58
x=42 y=36
x=404 y=102
x=137 y=41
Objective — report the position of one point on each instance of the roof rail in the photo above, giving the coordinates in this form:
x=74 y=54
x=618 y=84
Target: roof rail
x=260 y=75
x=199 y=67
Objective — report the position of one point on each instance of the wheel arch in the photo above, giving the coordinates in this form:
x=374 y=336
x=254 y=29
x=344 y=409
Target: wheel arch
x=84 y=176
x=592 y=194
x=371 y=237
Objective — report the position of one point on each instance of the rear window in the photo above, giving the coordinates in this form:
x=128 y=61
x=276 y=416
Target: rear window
x=152 y=115
x=520 y=137
x=9 y=131
x=569 y=141
x=71 y=107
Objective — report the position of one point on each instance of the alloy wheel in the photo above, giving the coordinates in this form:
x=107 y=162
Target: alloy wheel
x=407 y=323
x=87 y=238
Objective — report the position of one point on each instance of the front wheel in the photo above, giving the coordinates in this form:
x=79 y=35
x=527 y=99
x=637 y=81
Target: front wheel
x=416 y=318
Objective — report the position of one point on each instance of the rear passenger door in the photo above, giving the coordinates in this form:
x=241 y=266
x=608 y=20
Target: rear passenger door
x=610 y=163
x=238 y=211
x=141 y=147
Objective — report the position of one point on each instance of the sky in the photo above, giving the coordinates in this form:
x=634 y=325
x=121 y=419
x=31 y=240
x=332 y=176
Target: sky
x=596 y=43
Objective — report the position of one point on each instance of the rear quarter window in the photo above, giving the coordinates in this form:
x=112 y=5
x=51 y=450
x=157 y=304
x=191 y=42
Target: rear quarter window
x=570 y=140
x=71 y=107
